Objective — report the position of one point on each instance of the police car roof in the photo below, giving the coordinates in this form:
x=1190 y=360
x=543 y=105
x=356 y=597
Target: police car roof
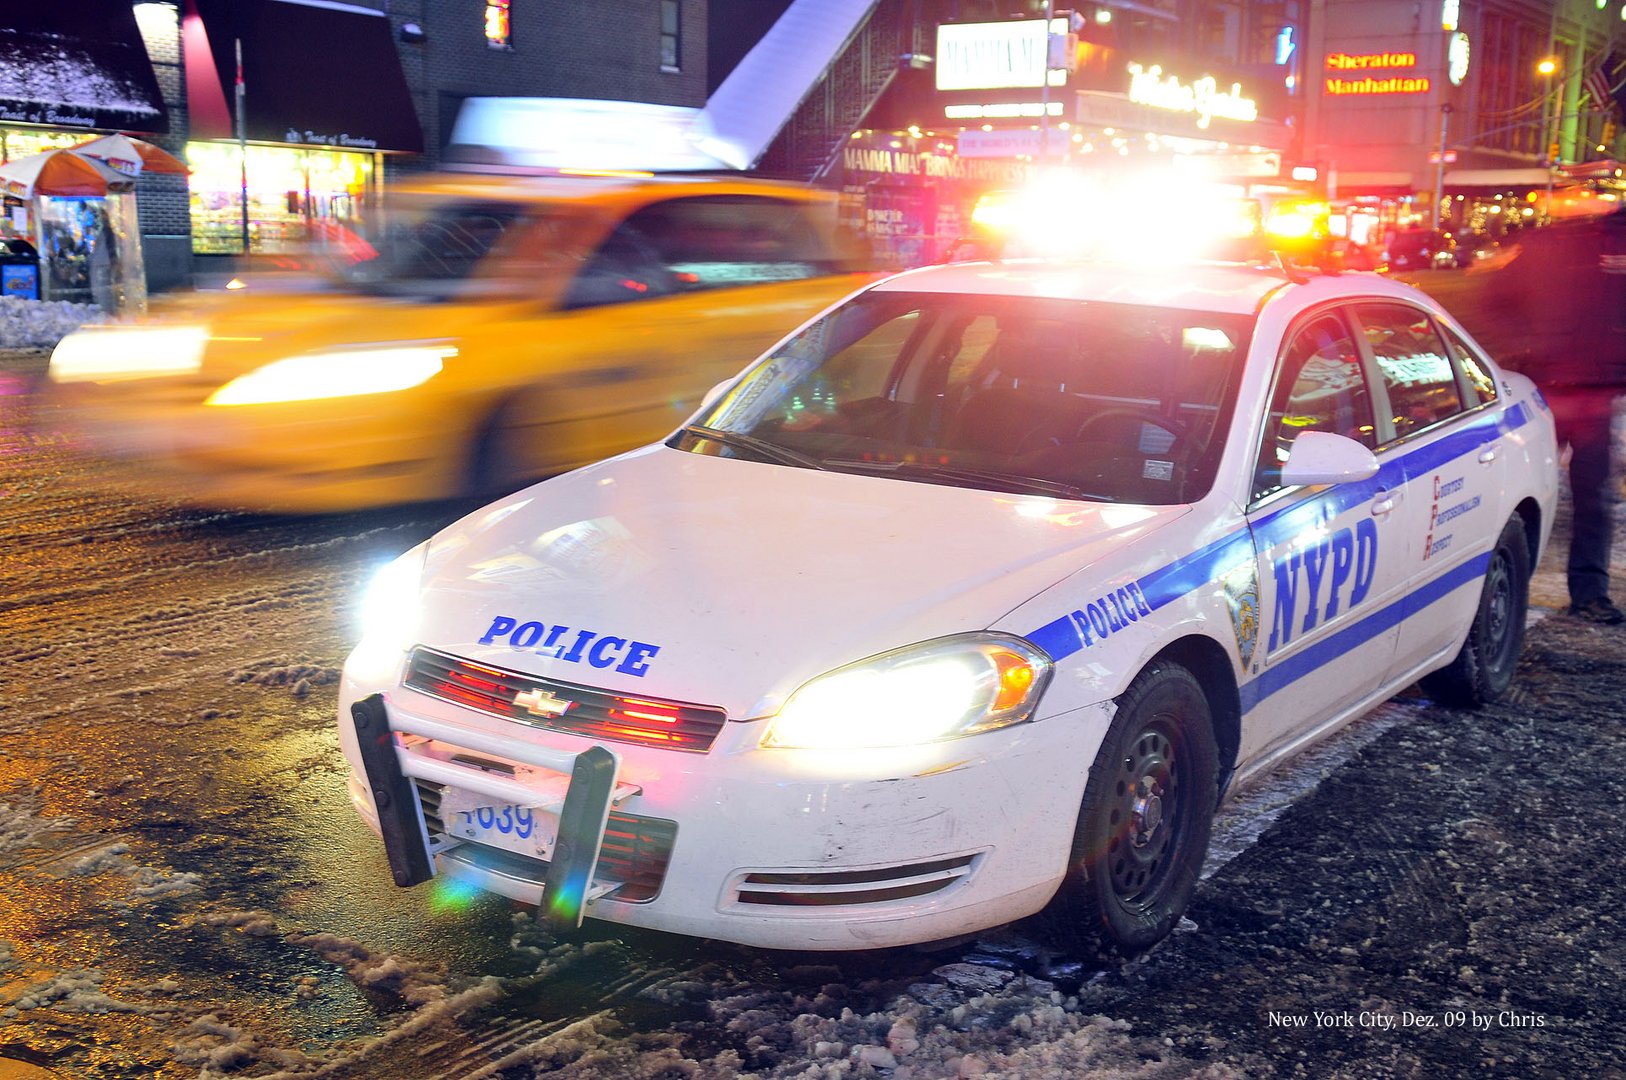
x=1233 y=288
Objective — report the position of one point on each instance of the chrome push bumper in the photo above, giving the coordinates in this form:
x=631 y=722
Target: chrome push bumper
x=391 y=764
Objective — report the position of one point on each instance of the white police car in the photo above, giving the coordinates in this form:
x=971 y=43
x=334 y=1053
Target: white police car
x=973 y=596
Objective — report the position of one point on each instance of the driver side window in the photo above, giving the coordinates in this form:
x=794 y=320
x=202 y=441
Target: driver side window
x=1319 y=387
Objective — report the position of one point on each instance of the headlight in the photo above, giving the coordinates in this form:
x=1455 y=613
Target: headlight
x=936 y=690
x=341 y=373
x=388 y=613
x=108 y=354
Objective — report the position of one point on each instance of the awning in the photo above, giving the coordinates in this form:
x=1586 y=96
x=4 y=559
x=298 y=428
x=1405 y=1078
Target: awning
x=1495 y=178
x=78 y=65
x=313 y=75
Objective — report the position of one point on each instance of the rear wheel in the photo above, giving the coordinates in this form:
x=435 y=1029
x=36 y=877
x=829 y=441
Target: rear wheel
x=1147 y=812
x=512 y=448
x=1484 y=668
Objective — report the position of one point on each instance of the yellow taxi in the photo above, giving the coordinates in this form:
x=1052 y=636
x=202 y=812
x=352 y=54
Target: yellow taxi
x=508 y=328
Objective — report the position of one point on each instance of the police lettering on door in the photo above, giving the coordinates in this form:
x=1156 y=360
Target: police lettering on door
x=1331 y=575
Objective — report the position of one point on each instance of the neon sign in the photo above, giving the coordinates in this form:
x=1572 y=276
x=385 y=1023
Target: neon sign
x=1149 y=86
x=1382 y=83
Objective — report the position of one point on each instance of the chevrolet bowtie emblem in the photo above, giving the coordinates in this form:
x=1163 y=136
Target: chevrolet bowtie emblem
x=539 y=702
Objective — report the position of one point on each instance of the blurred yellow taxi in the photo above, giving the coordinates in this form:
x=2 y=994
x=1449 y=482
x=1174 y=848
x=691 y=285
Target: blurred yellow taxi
x=508 y=328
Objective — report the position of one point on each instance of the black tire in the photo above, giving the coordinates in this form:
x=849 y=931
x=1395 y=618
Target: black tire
x=1484 y=668
x=1147 y=812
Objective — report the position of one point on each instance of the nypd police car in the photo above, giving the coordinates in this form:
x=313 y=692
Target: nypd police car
x=972 y=598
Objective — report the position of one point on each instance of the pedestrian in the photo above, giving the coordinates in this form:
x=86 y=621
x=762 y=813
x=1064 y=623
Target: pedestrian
x=1557 y=305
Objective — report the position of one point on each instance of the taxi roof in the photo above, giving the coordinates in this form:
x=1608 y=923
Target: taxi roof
x=1233 y=288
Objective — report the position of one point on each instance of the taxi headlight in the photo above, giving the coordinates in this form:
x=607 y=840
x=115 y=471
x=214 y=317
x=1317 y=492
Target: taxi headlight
x=388 y=613
x=935 y=690
x=341 y=373
x=112 y=353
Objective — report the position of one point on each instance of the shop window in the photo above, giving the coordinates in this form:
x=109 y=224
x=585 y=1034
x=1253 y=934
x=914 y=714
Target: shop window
x=1416 y=368
x=499 y=25
x=299 y=200
x=671 y=35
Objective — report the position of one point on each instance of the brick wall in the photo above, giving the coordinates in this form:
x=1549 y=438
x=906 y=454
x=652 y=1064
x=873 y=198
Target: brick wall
x=561 y=48
x=161 y=201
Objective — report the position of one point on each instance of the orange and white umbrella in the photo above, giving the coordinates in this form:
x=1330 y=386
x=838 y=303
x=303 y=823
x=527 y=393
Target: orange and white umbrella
x=131 y=156
x=60 y=172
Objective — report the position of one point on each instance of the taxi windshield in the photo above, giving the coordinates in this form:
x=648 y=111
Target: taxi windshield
x=1066 y=398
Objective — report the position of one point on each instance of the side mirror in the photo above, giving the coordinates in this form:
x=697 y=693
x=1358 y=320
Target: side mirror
x=1320 y=457
x=714 y=393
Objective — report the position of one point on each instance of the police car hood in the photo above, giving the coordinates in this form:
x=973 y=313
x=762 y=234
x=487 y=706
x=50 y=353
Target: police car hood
x=729 y=582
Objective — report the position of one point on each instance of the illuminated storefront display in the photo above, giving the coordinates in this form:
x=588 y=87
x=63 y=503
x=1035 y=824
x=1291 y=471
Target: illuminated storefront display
x=298 y=199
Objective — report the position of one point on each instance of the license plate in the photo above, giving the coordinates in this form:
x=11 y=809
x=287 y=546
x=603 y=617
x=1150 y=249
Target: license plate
x=524 y=830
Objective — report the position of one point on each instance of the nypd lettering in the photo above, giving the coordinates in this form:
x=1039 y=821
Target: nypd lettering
x=1335 y=572
x=1110 y=614
x=572 y=645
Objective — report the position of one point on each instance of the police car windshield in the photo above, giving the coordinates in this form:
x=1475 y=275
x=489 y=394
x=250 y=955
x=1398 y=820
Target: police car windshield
x=1112 y=402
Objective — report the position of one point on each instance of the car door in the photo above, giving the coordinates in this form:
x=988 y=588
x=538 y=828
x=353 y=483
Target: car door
x=1446 y=439
x=1331 y=574
x=686 y=292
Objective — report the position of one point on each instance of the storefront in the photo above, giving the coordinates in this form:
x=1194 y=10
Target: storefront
x=323 y=104
x=991 y=113
x=69 y=73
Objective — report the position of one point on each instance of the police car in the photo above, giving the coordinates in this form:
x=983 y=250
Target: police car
x=972 y=598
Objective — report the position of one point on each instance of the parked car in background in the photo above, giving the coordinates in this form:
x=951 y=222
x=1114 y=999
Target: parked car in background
x=1419 y=249
x=507 y=328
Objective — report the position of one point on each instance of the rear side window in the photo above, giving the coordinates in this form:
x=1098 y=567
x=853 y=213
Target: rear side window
x=1416 y=367
x=704 y=242
x=716 y=241
x=1475 y=372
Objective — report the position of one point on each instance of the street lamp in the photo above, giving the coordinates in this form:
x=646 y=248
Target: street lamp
x=1547 y=67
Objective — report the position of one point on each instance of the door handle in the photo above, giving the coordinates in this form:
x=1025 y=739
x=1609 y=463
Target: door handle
x=1383 y=504
x=1487 y=455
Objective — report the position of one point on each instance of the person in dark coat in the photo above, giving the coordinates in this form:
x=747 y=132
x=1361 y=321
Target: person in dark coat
x=1556 y=311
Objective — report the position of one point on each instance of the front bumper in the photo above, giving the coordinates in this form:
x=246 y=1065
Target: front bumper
x=778 y=848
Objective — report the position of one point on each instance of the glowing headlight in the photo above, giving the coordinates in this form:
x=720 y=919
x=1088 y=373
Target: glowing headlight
x=341 y=373
x=389 y=607
x=936 y=690
x=108 y=354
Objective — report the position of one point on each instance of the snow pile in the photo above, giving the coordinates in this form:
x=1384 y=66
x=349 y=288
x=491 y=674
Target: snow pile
x=40 y=324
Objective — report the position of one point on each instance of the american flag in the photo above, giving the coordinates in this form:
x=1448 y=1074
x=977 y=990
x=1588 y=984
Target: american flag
x=1599 y=86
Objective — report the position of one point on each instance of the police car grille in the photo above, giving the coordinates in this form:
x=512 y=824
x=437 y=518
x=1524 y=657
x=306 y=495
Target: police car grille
x=833 y=888
x=593 y=713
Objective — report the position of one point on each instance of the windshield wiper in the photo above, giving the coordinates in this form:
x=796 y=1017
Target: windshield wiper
x=1026 y=485
x=783 y=455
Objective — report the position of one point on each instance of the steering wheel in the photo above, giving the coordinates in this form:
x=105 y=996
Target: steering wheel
x=1131 y=412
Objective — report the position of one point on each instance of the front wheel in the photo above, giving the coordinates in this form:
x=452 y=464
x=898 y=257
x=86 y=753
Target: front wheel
x=1147 y=812
x=1483 y=669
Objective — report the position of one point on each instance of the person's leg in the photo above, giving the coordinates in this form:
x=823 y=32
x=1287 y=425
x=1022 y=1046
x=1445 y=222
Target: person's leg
x=1583 y=419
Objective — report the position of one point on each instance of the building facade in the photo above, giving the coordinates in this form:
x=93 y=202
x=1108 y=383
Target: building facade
x=292 y=115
